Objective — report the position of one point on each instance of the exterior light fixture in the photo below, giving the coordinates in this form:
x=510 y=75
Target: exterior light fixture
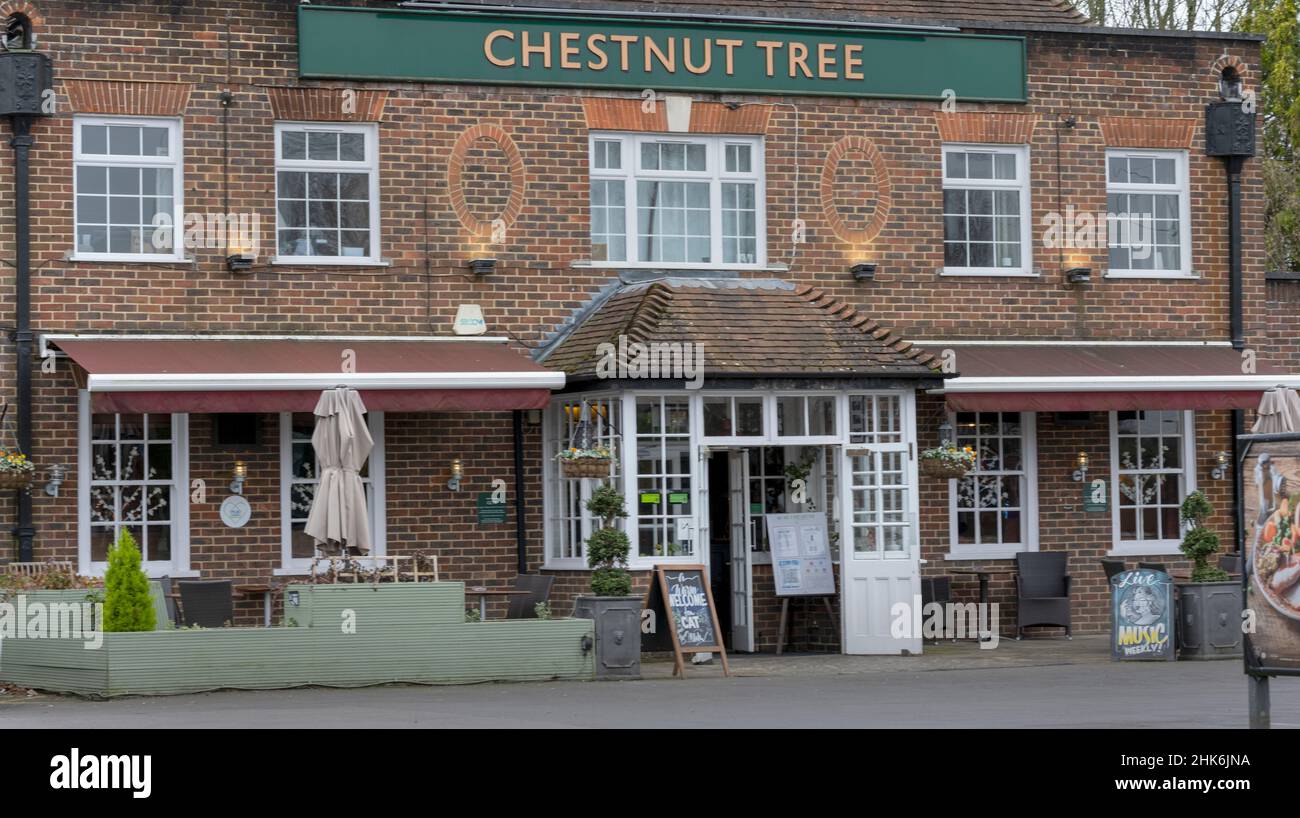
x=1078 y=275
x=56 y=480
x=863 y=271
x=1220 y=469
x=240 y=475
x=534 y=417
x=457 y=472
x=482 y=266
x=239 y=262
x=1231 y=87
x=1081 y=473
x=945 y=432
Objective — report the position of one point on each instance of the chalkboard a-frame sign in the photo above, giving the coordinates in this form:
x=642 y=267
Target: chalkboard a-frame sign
x=681 y=603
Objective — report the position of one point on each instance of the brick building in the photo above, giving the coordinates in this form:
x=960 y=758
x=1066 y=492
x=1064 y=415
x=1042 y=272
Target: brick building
x=879 y=222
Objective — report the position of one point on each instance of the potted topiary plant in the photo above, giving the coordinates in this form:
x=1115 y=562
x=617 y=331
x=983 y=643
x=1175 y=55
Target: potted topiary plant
x=127 y=603
x=615 y=611
x=1210 y=604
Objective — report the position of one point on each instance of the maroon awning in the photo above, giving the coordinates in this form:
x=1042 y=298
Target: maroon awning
x=279 y=374
x=1094 y=377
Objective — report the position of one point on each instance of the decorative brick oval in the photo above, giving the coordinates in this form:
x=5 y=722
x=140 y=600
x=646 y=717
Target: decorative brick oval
x=880 y=170
x=456 y=177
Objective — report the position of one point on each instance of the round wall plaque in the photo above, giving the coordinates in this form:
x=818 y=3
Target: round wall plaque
x=235 y=511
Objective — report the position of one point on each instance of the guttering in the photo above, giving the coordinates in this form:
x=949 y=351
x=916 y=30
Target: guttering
x=53 y=338
x=276 y=381
x=694 y=16
x=1125 y=383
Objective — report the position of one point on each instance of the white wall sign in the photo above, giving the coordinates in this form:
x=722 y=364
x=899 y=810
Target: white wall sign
x=469 y=320
x=801 y=558
x=235 y=511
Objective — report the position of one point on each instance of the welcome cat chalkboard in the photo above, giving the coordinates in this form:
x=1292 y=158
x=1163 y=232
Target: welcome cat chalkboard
x=680 y=603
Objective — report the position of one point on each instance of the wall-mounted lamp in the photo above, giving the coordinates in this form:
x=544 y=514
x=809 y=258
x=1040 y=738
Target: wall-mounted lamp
x=56 y=480
x=239 y=262
x=533 y=417
x=1078 y=275
x=482 y=266
x=1220 y=469
x=240 y=475
x=457 y=472
x=1231 y=87
x=945 y=432
x=1081 y=473
x=863 y=271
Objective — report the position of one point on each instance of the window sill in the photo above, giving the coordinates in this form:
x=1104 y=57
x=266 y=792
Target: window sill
x=586 y=264
x=1001 y=553
x=988 y=273
x=330 y=261
x=1144 y=551
x=128 y=259
x=566 y=565
x=1190 y=276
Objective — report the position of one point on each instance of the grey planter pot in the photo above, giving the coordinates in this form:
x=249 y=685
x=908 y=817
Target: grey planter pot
x=1209 y=620
x=618 y=633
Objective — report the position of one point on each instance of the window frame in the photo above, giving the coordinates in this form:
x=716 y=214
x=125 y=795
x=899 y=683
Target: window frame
x=1028 y=500
x=175 y=161
x=179 y=564
x=1182 y=188
x=717 y=175
x=1167 y=546
x=1021 y=184
x=371 y=165
x=378 y=506
x=554 y=481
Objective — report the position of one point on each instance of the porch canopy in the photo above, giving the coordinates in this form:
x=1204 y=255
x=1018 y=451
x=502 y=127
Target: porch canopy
x=245 y=373
x=1070 y=377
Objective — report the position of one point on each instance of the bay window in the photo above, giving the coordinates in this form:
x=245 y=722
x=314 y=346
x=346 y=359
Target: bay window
x=568 y=522
x=677 y=201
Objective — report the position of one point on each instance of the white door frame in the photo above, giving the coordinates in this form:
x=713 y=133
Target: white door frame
x=742 y=573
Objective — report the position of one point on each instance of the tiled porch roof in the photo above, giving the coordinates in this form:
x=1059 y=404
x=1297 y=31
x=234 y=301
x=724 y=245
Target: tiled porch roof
x=755 y=328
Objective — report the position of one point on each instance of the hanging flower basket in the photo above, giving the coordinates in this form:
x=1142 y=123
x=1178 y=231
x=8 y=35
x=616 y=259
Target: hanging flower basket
x=585 y=466
x=947 y=461
x=16 y=471
x=576 y=462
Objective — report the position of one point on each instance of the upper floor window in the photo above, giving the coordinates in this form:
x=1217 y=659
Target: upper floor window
x=986 y=228
x=127 y=188
x=1148 y=213
x=326 y=193
x=677 y=201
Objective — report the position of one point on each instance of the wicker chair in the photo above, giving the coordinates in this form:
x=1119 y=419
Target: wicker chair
x=207 y=603
x=539 y=590
x=1154 y=566
x=1042 y=590
x=1112 y=567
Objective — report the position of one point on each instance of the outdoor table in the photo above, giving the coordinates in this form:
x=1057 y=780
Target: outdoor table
x=483 y=593
x=265 y=590
x=983 y=574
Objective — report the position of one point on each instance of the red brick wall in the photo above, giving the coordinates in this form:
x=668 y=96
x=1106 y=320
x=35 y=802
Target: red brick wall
x=535 y=287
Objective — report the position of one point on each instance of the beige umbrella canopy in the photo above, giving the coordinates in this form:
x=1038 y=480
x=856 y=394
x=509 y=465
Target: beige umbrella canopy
x=1279 y=412
x=342 y=442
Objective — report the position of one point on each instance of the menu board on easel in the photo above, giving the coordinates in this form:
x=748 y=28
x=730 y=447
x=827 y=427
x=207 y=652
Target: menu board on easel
x=680 y=598
x=801 y=554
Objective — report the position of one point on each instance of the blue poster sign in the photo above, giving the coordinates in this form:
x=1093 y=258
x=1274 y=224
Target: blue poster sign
x=1142 y=615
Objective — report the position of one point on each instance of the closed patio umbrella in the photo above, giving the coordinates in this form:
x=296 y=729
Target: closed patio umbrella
x=342 y=442
x=1279 y=412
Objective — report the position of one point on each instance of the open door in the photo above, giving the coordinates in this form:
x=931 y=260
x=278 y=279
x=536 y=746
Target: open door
x=879 y=559
x=742 y=577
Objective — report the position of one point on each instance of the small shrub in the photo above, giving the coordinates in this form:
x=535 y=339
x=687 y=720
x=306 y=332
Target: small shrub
x=1200 y=543
x=127 y=604
x=472 y=615
x=608 y=546
x=543 y=610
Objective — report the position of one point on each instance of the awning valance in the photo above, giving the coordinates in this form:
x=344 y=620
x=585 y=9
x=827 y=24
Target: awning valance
x=286 y=374
x=1066 y=377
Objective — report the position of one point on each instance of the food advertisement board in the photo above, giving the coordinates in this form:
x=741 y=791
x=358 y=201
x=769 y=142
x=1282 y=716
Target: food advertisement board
x=1270 y=473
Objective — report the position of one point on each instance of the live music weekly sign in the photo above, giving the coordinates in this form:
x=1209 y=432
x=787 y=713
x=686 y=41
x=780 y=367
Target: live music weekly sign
x=517 y=48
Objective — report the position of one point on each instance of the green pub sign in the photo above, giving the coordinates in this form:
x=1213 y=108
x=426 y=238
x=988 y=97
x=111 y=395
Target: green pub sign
x=488 y=511
x=594 y=51
x=1094 y=495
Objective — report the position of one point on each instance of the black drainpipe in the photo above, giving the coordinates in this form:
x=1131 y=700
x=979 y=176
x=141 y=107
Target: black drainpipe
x=1230 y=135
x=521 y=536
x=26 y=82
